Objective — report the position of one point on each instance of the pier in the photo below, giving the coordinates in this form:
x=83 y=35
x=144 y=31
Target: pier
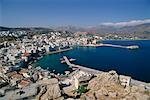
x=86 y=69
x=112 y=45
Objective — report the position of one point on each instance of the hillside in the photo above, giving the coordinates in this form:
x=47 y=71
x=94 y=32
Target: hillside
x=142 y=28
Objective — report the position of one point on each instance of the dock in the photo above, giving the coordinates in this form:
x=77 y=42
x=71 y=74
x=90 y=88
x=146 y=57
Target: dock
x=61 y=50
x=86 y=69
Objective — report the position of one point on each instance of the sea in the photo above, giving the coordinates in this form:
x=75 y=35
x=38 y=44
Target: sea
x=134 y=63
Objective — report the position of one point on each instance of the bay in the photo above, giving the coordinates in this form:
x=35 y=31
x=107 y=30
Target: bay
x=134 y=63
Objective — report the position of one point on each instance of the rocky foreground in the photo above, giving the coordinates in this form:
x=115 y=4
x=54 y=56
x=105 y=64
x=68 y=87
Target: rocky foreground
x=105 y=86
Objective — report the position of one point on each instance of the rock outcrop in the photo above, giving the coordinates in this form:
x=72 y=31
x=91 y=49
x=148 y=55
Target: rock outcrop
x=106 y=86
x=70 y=91
x=53 y=92
x=49 y=90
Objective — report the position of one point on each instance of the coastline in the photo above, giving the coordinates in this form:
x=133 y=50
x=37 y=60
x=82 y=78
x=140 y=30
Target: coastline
x=94 y=71
x=125 y=40
x=133 y=80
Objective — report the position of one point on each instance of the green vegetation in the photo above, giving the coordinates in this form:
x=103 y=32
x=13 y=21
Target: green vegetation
x=81 y=89
x=147 y=92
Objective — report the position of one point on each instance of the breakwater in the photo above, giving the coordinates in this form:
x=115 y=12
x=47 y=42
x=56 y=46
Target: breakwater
x=112 y=45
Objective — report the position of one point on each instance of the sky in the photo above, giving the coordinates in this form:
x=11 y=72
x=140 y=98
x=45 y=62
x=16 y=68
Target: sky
x=45 y=13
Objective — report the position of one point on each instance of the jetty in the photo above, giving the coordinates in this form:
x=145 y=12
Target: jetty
x=86 y=69
x=60 y=50
x=112 y=45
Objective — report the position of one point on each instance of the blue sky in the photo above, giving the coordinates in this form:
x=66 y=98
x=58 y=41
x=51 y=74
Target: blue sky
x=44 y=13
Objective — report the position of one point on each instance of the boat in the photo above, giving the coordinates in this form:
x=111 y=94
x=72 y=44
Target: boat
x=72 y=59
x=63 y=61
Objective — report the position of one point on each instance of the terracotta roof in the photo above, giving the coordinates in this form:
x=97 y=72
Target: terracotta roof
x=24 y=71
x=17 y=76
x=11 y=73
x=24 y=83
x=26 y=54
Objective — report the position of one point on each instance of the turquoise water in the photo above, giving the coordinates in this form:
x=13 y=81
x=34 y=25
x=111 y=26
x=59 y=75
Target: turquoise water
x=135 y=63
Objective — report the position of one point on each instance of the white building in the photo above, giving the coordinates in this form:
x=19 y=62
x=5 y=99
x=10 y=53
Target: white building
x=124 y=80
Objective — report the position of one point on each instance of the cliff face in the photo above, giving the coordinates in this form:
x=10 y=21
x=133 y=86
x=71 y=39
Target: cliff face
x=106 y=86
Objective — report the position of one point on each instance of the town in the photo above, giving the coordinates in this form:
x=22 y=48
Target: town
x=19 y=79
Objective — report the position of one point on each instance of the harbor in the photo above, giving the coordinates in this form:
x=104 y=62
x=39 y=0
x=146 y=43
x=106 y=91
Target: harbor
x=105 y=59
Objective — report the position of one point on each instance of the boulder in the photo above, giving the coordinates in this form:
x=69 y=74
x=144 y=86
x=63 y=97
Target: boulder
x=106 y=86
x=49 y=90
x=70 y=90
x=53 y=92
x=103 y=79
x=88 y=96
